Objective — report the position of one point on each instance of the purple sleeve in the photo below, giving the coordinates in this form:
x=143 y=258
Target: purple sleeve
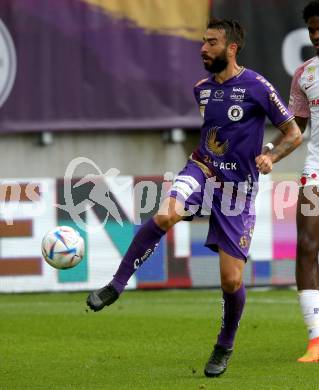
x=196 y=94
x=271 y=102
x=197 y=89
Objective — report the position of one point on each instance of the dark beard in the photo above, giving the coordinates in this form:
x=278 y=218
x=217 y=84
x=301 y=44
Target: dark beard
x=218 y=65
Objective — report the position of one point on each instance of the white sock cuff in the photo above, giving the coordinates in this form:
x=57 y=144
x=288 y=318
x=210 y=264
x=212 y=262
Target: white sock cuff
x=309 y=293
x=309 y=303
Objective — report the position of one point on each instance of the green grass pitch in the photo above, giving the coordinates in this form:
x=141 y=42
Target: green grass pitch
x=149 y=340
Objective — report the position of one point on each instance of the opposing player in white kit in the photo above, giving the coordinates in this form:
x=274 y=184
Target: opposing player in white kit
x=304 y=104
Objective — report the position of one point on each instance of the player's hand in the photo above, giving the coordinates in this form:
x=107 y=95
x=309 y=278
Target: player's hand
x=264 y=163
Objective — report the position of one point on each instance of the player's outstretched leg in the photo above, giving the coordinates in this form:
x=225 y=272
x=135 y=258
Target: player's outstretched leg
x=142 y=247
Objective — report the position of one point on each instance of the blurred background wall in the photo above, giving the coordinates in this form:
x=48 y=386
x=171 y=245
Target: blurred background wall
x=110 y=79
x=145 y=153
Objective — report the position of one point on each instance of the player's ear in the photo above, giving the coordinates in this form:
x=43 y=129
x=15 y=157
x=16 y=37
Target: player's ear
x=232 y=49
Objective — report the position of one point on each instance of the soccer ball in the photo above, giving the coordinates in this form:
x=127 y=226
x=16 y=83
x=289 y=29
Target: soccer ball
x=63 y=247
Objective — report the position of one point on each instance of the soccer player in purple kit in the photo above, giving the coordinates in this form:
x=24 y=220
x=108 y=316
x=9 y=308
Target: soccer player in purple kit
x=234 y=102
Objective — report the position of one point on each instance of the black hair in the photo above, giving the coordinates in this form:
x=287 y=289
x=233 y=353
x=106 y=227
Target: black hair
x=234 y=31
x=311 y=9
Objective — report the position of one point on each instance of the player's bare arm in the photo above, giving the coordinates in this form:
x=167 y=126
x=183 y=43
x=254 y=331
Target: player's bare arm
x=289 y=139
x=301 y=122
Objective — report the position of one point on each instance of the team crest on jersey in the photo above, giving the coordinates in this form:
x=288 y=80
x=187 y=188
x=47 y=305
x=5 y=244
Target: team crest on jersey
x=216 y=147
x=311 y=74
x=311 y=69
x=310 y=78
x=235 y=113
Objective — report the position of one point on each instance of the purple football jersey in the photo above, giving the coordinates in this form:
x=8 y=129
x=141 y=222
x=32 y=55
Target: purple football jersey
x=234 y=115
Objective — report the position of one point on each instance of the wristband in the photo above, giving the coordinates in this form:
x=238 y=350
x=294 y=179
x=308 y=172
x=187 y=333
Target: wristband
x=270 y=146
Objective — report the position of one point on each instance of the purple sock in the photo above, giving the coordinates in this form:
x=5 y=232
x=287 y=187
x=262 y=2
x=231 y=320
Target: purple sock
x=143 y=245
x=233 y=307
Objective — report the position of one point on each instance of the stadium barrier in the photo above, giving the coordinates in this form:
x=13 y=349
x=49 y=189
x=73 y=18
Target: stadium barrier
x=29 y=208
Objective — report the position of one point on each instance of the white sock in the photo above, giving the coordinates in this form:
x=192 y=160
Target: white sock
x=309 y=303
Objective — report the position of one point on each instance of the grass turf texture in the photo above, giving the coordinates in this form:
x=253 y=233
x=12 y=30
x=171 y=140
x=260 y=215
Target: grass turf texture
x=149 y=340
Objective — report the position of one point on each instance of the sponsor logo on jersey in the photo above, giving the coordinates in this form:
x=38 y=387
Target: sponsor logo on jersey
x=314 y=102
x=237 y=97
x=239 y=90
x=274 y=98
x=267 y=83
x=235 y=113
x=309 y=179
x=218 y=148
x=218 y=95
x=204 y=93
x=226 y=166
x=238 y=94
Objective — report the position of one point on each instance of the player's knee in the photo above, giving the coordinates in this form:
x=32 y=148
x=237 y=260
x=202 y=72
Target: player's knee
x=231 y=282
x=166 y=221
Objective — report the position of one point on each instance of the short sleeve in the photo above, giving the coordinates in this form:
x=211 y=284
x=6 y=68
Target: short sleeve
x=196 y=94
x=271 y=102
x=197 y=89
x=298 y=102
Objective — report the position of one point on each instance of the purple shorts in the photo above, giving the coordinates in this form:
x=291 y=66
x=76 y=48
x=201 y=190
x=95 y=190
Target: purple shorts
x=231 y=213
